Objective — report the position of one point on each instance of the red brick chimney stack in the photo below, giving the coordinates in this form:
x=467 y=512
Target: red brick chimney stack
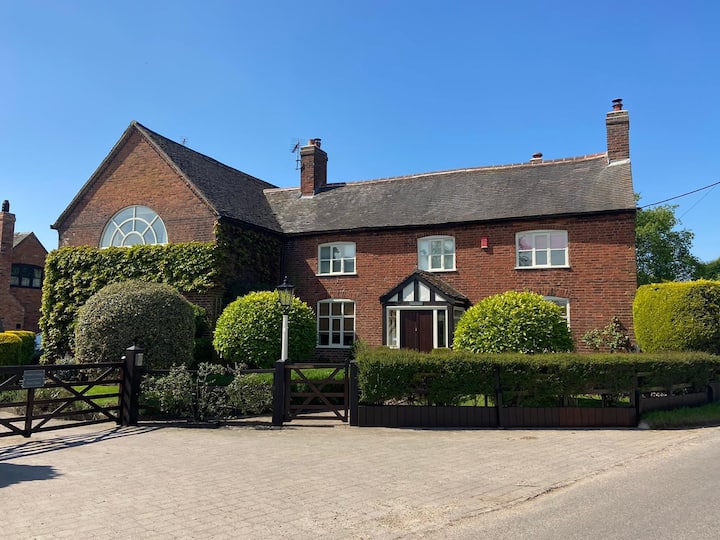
x=7 y=230
x=313 y=168
x=617 y=122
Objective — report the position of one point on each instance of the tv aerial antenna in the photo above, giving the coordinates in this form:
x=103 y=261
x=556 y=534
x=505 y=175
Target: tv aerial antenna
x=296 y=150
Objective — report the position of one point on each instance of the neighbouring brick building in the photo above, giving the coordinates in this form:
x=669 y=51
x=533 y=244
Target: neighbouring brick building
x=22 y=258
x=394 y=261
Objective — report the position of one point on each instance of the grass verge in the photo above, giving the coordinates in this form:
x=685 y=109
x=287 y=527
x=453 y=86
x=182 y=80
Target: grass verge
x=685 y=417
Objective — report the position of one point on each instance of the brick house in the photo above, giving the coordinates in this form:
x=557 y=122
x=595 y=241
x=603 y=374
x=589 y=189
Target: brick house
x=22 y=258
x=394 y=261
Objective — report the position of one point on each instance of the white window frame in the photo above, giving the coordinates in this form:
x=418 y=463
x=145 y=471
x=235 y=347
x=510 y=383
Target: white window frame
x=425 y=254
x=142 y=223
x=342 y=260
x=338 y=330
x=564 y=303
x=538 y=254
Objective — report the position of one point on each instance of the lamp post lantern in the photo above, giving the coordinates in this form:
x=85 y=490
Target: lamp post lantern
x=286 y=292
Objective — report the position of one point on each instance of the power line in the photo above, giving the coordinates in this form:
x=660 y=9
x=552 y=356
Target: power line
x=678 y=196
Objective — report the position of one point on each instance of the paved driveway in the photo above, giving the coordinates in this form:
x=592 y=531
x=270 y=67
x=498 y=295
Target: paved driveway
x=299 y=481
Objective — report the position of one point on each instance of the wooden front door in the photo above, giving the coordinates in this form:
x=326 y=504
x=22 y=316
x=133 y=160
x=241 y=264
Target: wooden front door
x=416 y=330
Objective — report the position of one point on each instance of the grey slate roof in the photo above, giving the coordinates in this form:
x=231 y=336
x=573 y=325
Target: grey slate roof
x=19 y=237
x=560 y=187
x=232 y=193
x=571 y=186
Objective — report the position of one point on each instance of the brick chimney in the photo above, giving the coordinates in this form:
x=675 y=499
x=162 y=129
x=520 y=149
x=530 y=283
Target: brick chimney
x=617 y=122
x=313 y=168
x=7 y=230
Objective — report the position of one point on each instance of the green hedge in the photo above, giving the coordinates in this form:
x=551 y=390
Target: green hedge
x=74 y=274
x=454 y=377
x=10 y=347
x=678 y=316
x=27 y=350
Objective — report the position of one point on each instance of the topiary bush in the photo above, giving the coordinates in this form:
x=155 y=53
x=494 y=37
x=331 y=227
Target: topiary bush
x=513 y=322
x=10 y=347
x=249 y=330
x=152 y=315
x=678 y=316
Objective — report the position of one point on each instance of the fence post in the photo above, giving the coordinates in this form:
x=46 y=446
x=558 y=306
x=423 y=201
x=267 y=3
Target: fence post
x=498 y=398
x=278 y=394
x=354 y=394
x=132 y=374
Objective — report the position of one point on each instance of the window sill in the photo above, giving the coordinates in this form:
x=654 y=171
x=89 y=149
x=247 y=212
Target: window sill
x=542 y=267
x=337 y=275
x=333 y=346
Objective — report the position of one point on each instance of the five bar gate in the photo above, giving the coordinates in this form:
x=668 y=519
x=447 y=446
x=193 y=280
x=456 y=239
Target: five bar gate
x=84 y=393
x=317 y=391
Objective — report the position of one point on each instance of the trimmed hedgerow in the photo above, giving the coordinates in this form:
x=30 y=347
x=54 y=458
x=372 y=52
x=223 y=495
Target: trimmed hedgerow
x=27 y=351
x=453 y=377
x=249 y=330
x=513 y=322
x=678 y=316
x=152 y=315
x=10 y=347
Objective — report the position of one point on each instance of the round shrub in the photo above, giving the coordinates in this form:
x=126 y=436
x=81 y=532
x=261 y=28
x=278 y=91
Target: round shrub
x=513 y=322
x=250 y=328
x=152 y=315
x=10 y=347
x=678 y=316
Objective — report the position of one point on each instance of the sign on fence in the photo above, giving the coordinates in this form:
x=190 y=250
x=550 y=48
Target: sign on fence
x=33 y=378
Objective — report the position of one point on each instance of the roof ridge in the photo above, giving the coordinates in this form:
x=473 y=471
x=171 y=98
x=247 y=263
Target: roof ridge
x=575 y=159
x=153 y=134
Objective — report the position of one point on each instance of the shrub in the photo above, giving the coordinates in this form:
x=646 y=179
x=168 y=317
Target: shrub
x=74 y=274
x=613 y=337
x=152 y=315
x=678 y=316
x=513 y=322
x=249 y=330
x=200 y=394
x=27 y=351
x=10 y=349
x=250 y=393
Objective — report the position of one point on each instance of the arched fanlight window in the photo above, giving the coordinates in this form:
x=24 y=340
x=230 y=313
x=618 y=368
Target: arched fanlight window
x=132 y=226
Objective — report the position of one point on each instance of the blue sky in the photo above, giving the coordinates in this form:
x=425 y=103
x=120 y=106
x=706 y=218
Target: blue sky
x=392 y=88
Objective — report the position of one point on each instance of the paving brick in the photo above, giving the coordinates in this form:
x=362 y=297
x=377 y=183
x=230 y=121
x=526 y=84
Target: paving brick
x=328 y=481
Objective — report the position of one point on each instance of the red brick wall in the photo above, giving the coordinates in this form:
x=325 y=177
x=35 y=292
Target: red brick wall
x=29 y=251
x=138 y=176
x=600 y=282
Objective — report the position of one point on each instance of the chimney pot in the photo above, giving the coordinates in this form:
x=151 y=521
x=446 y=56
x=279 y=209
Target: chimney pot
x=536 y=157
x=6 y=206
x=617 y=104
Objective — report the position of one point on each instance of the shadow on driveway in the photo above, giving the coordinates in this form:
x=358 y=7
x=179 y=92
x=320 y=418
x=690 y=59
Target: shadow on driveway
x=11 y=473
x=42 y=446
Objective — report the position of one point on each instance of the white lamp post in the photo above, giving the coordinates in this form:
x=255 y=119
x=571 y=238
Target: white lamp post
x=286 y=292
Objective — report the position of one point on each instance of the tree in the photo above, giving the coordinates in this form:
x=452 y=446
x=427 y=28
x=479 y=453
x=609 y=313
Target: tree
x=709 y=270
x=249 y=330
x=662 y=251
x=513 y=322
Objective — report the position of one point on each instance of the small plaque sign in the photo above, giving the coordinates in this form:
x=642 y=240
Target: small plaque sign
x=33 y=378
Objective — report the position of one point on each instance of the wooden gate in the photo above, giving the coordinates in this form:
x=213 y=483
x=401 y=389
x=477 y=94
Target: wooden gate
x=317 y=391
x=32 y=396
